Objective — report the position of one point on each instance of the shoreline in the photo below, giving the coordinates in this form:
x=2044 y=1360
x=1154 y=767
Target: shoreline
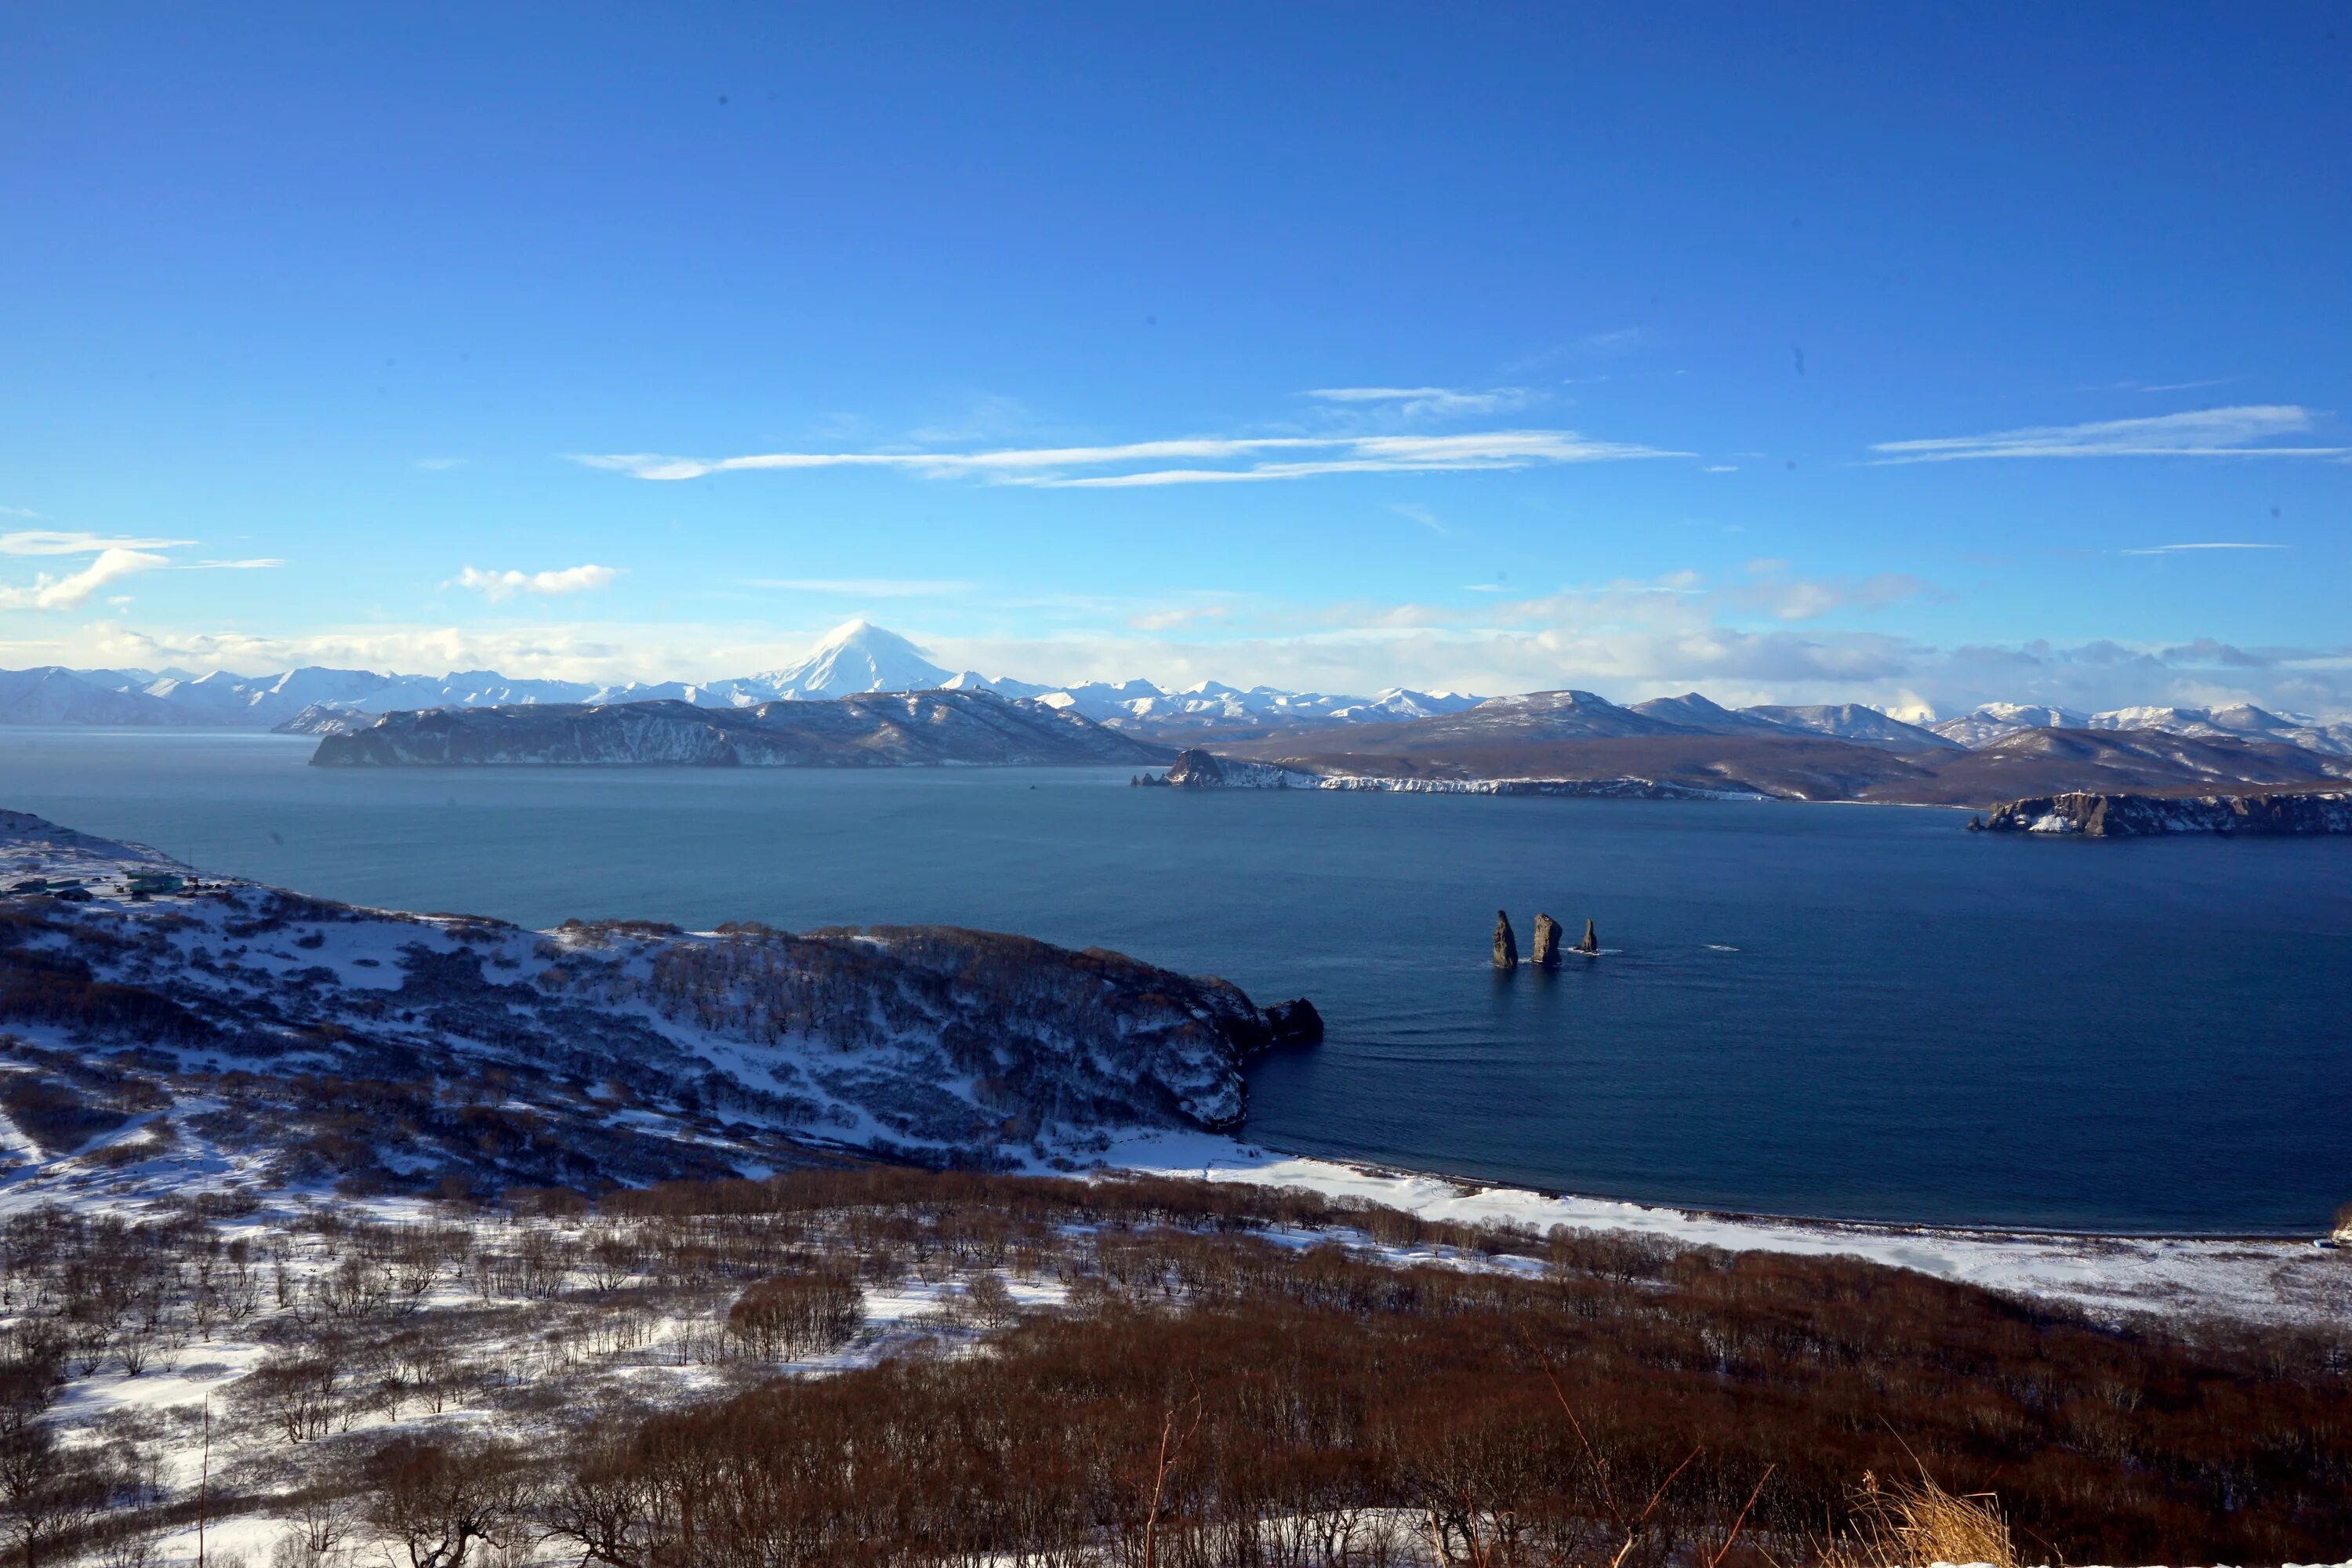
x=1383 y=1169
x=2269 y=1279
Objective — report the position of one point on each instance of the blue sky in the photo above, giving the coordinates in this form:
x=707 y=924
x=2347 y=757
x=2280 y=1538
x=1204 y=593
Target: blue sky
x=1787 y=352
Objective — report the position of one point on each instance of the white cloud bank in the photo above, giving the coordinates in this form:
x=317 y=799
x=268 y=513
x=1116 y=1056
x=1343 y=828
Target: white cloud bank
x=498 y=586
x=2204 y=433
x=1235 y=459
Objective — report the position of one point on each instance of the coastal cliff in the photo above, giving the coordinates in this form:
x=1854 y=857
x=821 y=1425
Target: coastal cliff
x=2144 y=816
x=315 y=1040
x=881 y=728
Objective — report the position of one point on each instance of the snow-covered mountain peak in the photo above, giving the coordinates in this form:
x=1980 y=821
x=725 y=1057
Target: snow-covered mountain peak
x=2032 y=715
x=857 y=656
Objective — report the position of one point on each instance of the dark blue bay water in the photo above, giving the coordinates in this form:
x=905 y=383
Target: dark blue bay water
x=1823 y=1010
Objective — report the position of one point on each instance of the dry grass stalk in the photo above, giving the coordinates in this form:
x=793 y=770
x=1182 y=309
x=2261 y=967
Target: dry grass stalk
x=1916 y=1524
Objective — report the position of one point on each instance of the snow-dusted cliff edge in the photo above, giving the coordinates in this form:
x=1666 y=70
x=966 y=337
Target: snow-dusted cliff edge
x=233 y=1025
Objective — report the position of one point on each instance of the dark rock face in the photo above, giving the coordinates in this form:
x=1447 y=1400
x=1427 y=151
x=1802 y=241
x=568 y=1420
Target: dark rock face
x=1546 y=953
x=1506 y=945
x=1196 y=768
x=2142 y=815
x=1592 y=942
x=1295 y=1023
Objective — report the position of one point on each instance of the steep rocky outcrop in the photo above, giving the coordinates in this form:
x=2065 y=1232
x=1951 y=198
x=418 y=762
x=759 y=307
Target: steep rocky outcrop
x=879 y=729
x=1592 y=942
x=2144 y=815
x=1547 y=950
x=1506 y=944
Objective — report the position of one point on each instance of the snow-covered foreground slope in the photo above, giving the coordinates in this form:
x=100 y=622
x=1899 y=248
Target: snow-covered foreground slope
x=235 y=1033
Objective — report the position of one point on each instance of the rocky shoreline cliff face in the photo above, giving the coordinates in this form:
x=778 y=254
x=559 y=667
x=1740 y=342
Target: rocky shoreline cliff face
x=2144 y=816
x=240 y=1025
x=883 y=729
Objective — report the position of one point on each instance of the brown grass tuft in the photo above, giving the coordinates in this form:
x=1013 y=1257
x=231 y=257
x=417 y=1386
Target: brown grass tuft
x=1915 y=1524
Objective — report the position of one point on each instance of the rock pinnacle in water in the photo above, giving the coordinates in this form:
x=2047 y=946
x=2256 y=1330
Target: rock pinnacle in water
x=1546 y=953
x=1507 y=946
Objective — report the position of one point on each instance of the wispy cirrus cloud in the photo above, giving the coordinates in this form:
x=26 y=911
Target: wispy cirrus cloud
x=2217 y=544
x=2237 y=432
x=2153 y=387
x=1427 y=401
x=498 y=586
x=56 y=541
x=51 y=591
x=867 y=587
x=1205 y=460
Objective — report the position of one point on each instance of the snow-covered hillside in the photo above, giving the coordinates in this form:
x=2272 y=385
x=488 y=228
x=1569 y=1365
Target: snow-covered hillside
x=235 y=1029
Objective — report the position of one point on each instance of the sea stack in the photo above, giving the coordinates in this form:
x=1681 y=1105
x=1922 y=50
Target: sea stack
x=1507 y=946
x=1591 y=944
x=1547 y=933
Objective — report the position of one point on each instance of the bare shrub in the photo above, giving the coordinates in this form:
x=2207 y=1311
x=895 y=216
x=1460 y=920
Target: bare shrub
x=433 y=1506
x=797 y=1315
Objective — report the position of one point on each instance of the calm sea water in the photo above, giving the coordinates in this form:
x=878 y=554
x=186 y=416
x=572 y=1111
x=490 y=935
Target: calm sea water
x=1821 y=1010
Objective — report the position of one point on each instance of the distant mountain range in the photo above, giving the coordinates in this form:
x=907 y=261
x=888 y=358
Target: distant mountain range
x=862 y=657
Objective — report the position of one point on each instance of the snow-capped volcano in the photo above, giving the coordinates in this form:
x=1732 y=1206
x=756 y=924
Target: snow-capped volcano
x=857 y=656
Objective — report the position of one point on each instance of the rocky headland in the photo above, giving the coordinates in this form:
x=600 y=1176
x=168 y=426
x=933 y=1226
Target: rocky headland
x=2142 y=816
x=234 y=1025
